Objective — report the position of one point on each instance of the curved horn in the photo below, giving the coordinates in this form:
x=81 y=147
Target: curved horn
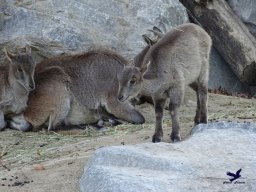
x=28 y=49
x=9 y=55
x=157 y=33
x=157 y=29
x=147 y=40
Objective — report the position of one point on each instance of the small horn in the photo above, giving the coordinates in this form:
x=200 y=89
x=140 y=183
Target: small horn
x=28 y=49
x=147 y=40
x=157 y=33
x=157 y=29
x=8 y=54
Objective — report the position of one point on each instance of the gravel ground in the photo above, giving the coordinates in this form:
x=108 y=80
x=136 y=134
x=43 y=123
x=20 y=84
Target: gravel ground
x=42 y=161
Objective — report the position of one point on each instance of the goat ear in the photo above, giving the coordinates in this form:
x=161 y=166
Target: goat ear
x=144 y=68
x=10 y=56
x=147 y=40
x=28 y=49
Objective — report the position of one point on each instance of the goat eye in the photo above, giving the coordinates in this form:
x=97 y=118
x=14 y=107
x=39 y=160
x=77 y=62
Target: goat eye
x=19 y=69
x=133 y=82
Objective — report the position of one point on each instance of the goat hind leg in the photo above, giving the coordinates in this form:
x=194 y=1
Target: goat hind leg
x=159 y=111
x=197 y=118
x=175 y=134
x=203 y=97
x=176 y=95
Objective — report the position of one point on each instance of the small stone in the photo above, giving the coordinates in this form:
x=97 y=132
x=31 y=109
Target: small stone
x=43 y=144
x=17 y=183
x=38 y=167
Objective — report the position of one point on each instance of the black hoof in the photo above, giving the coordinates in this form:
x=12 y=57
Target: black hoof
x=175 y=138
x=114 y=122
x=99 y=125
x=156 y=139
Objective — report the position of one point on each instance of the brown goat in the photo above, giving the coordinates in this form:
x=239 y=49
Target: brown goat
x=52 y=103
x=163 y=70
x=74 y=89
x=51 y=100
x=16 y=81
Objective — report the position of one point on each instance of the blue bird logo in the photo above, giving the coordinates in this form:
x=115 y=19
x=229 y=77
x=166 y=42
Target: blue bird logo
x=235 y=176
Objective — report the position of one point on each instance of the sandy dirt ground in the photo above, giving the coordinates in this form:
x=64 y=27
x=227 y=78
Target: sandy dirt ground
x=41 y=161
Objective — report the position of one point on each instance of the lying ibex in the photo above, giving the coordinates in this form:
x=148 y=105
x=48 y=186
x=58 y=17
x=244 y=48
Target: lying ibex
x=49 y=103
x=16 y=81
x=74 y=89
x=179 y=58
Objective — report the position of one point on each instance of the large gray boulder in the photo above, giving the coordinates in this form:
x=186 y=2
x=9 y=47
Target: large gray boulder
x=221 y=76
x=53 y=27
x=246 y=10
x=199 y=163
x=56 y=27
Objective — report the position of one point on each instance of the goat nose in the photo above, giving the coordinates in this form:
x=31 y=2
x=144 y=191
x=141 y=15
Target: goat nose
x=120 y=97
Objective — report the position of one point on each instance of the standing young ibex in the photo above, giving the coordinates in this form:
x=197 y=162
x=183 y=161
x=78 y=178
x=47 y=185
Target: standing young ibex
x=16 y=81
x=178 y=59
x=73 y=89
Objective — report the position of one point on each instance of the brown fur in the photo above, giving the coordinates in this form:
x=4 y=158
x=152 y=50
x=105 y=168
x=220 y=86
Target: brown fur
x=178 y=59
x=50 y=101
x=92 y=86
